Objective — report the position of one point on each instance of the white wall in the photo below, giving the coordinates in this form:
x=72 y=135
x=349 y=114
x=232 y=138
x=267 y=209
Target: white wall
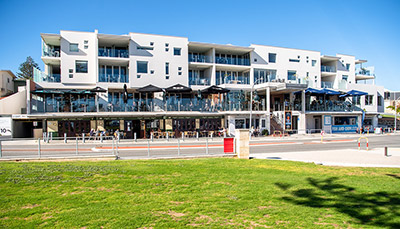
x=282 y=64
x=156 y=59
x=13 y=103
x=371 y=90
x=6 y=83
x=68 y=58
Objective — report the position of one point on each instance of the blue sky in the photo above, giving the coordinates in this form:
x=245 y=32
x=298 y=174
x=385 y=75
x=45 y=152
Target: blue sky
x=367 y=29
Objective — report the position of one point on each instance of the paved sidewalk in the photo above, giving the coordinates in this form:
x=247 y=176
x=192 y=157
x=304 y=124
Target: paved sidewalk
x=350 y=157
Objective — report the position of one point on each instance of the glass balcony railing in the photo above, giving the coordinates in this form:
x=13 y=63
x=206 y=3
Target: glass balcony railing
x=51 y=51
x=199 y=81
x=199 y=58
x=39 y=76
x=326 y=84
x=233 y=80
x=364 y=72
x=113 y=52
x=330 y=105
x=232 y=61
x=328 y=68
x=113 y=79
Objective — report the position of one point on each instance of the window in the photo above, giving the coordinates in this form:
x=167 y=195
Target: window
x=177 y=51
x=369 y=99
x=345 y=77
x=86 y=46
x=380 y=98
x=179 y=68
x=71 y=75
x=73 y=47
x=294 y=60
x=167 y=68
x=291 y=75
x=272 y=57
x=348 y=67
x=166 y=44
x=8 y=80
x=357 y=100
x=81 y=66
x=151 y=43
x=166 y=49
x=86 y=42
x=180 y=73
x=71 y=70
x=142 y=67
x=313 y=63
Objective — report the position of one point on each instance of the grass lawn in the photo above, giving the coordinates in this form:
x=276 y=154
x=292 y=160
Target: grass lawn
x=217 y=192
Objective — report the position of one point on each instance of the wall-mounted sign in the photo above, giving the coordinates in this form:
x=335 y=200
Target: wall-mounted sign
x=288 y=120
x=5 y=126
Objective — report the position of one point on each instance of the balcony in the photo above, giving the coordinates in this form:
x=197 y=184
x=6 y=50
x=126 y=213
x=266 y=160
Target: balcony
x=364 y=74
x=329 y=105
x=232 y=61
x=39 y=77
x=109 y=78
x=113 y=52
x=199 y=58
x=326 y=84
x=197 y=81
x=328 y=69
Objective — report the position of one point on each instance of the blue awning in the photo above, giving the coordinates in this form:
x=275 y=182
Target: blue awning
x=354 y=93
x=330 y=92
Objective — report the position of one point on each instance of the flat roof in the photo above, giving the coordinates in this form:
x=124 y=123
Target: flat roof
x=329 y=58
x=227 y=47
x=51 y=39
x=285 y=47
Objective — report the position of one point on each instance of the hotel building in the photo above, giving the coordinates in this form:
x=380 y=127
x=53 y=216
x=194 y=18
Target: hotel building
x=142 y=83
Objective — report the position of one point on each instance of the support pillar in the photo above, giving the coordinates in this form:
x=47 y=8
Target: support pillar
x=242 y=143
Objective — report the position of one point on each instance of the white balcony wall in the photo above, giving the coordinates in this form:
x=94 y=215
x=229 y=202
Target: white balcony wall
x=371 y=90
x=342 y=70
x=14 y=103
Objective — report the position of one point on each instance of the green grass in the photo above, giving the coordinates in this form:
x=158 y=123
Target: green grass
x=201 y=192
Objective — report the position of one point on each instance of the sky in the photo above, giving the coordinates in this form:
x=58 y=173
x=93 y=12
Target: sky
x=367 y=29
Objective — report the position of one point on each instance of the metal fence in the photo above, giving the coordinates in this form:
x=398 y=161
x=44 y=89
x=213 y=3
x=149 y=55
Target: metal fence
x=83 y=147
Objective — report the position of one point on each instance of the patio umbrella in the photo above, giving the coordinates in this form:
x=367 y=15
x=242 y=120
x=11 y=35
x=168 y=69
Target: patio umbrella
x=98 y=89
x=214 y=90
x=354 y=93
x=330 y=92
x=178 y=88
x=149 y=89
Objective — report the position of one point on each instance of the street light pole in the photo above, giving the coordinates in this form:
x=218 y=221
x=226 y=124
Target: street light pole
x=251 y=103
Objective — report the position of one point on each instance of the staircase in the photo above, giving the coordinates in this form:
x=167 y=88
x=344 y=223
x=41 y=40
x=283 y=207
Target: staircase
x=275 y=124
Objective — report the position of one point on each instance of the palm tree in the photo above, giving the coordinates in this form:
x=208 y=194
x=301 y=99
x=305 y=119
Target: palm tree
x=392 y=108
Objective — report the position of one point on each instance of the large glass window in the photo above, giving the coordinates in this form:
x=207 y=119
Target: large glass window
x=357 y=100
x=167 y=68
x=142 y=67
x=313 y=62
x=81 y=66
x=264 y=75
x=73 y=47
x=272 y=57
x=291 y=75
x=345 y=121
x=113 y=74
x=380 y=98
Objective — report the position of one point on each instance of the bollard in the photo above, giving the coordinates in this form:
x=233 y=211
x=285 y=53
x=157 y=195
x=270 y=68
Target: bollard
x=134 y=137
x=152 y=137
x=113 y=146
x=83 y=137
x=197 y=136
x=167 y=136
x=76 y=146
x=386 y=151
x=51 y=136
x=48 y=137
x=101 y=137
x=148 y=148
x=212 y=134
x=65 y=137
x=39 y=147
x=224 y=134
x=183 y=136
x=117 y=150
x=1 y=151
x=179 y=148
x=207 y=146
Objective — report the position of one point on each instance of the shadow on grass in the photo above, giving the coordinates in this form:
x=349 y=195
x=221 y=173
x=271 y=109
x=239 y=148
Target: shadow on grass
x=373 y=208
x=393 y=175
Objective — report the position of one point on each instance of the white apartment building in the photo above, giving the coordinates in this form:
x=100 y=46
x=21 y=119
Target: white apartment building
x=144 y=84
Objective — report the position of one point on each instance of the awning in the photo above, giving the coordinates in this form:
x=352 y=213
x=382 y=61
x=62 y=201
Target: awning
x=354 y=93
x=178 y=88
x=98 y=89
x=149 y=89
x=42 y=91
x=214 y=90
x=330 y=92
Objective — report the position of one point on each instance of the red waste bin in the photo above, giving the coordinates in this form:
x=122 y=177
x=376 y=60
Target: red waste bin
x=229 y=145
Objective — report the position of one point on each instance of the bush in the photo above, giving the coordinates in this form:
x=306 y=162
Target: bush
x=265 y=132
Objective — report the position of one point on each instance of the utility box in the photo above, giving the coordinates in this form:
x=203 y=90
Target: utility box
x=229 y=146
x=242 y=143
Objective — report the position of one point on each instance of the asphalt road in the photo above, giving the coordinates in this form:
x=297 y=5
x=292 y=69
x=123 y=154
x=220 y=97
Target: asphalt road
x=189 y=147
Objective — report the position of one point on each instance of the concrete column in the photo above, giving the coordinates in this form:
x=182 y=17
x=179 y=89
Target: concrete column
x=231 y=125
x=303 y=102
x=268 y=98
x=302 y=123
x=242 y=143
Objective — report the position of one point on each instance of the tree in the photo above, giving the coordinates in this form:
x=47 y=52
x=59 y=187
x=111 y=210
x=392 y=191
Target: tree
x=392 y=108
x=26 y=68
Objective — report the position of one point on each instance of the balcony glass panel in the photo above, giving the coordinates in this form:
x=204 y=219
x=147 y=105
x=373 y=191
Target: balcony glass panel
x=264 y=76
x=113 y=52
x=326 y=84
x=327 y=68
x=199 y=58
x=113 y=74
x=50 y=50
x=39 y=76
x=232 y=59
